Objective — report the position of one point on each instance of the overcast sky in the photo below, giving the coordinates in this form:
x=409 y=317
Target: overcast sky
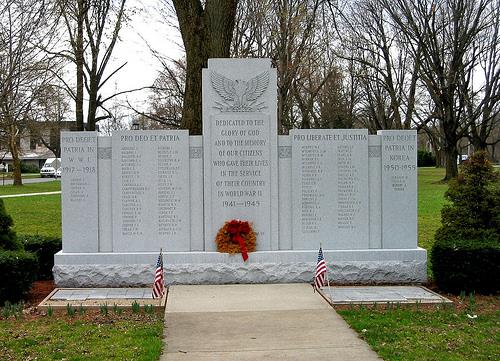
x=142 y=68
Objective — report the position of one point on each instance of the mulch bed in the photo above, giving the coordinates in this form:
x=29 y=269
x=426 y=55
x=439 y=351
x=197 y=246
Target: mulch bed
x=40 y=290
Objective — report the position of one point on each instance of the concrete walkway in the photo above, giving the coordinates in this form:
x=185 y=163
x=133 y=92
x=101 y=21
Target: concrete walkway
x=30 y=194
x=257 y=322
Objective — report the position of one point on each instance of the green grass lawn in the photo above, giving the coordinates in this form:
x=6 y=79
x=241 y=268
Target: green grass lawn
x=106 y=338
x=31 y=188
x=8 y=175
x=36 y=214
x=444 y=335
x=430 y=201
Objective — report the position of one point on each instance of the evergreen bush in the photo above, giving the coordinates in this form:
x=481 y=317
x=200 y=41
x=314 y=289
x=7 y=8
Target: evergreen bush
x=8 y=238
x=18 y=270
x=44 y=247
x=469 y=238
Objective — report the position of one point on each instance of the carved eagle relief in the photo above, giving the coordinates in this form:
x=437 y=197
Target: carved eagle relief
x=239 y=95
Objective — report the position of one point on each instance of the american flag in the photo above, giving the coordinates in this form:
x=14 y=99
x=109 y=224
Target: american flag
x=158 y=281
x=320 y=276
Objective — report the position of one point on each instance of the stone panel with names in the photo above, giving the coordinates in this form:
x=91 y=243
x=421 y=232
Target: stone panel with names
x=399 y=188
x=79 y=191
x=150 y=180
x=330 y=188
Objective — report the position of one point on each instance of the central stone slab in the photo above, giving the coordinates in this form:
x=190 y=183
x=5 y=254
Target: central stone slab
x=240 y=142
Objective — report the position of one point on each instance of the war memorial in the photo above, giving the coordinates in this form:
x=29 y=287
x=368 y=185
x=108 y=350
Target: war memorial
x=127 y=196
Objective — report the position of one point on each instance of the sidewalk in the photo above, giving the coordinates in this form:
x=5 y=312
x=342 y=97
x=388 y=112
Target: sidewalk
x=257 y=322
x=30 y=194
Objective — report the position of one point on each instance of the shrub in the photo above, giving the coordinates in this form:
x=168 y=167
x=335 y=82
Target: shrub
x=470 y=231
x=468 y=266
x=18 y=270
x=8 y=239
x=29 y=168
x=425 y=159
x=44 y=247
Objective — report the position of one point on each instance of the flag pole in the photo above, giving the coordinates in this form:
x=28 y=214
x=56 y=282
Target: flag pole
x=327 y=278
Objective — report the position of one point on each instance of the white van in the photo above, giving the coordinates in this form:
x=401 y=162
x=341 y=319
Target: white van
x=50 y=167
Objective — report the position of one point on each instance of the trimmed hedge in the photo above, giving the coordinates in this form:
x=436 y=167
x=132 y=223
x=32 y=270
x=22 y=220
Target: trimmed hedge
x=29 y=168
x=18 y=270
x=470 y=266
x=425 y=159
x=44 y=247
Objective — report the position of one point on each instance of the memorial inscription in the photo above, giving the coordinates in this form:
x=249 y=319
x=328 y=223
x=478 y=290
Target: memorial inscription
x=240 y=164
x=79 y=190
x=330 y=179
x=399 y=187
x=150 y=190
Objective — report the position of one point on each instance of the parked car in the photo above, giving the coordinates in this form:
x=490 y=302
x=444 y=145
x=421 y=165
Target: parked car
x=58 y=172
x=50 y=167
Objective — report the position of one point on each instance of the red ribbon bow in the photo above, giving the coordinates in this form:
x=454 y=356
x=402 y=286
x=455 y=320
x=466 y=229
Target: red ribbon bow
x=236 y=229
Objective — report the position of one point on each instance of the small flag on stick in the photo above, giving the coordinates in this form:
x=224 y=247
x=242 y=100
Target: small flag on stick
x=158 y=288
x=320 y=276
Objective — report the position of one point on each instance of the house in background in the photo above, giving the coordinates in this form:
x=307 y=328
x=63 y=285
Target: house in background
x=38 y=144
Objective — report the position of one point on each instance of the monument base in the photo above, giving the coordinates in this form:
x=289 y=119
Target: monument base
x=368 y=266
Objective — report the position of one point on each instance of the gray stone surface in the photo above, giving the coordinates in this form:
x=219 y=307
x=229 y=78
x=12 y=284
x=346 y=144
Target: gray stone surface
x=196 y=192
x=115 y=275
x=240 y=148
x=151 y=190
x=104 y=155
x=401 y=294
x=285 y=192
x=399 y=188
x=375 y=190
x=79 y=191
x=330 y=188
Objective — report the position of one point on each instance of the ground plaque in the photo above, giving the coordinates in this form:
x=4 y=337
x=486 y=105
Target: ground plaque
x=240 y=142
x=330 y=183
x=150 y=180
x=79 y=191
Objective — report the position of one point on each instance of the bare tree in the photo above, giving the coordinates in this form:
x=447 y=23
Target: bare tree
x=93 y=28
x=24 y=68
x=167 y=94
x=483 y=104
x=442 y=34
x=387 y=69
x=51 y=117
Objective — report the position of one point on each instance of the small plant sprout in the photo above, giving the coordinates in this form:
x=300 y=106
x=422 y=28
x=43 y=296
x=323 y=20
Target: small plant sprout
x=50 y=311
x=104 y=309
x=462 y=296
x=471 y=312
x=18 y=309
x=6 y=310
x=70 y=310
x=135 y=307
x=148 y=309
x=117 y=310
x=81 y=310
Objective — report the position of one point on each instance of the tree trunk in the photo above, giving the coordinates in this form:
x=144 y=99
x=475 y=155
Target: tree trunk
x=79 y=66
x=16 y=162
x=451 y=155
x=206 y=33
